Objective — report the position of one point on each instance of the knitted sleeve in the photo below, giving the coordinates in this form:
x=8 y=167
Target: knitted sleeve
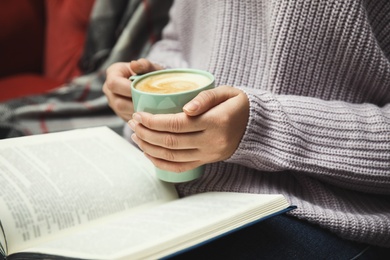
x=345 y=144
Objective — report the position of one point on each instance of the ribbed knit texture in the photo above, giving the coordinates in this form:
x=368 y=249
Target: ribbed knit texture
x=317 y=75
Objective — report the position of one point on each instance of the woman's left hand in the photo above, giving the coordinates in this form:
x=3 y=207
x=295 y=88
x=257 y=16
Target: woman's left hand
x=209 y=130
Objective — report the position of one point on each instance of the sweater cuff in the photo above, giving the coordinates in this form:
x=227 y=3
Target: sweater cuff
x=256 y=128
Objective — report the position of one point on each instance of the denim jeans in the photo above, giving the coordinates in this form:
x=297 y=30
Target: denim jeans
x=283 y=237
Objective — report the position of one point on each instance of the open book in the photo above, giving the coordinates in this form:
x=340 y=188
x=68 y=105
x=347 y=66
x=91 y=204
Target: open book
x=90 y=194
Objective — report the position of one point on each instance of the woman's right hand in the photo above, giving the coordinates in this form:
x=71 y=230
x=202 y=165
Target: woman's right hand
x=117 y=85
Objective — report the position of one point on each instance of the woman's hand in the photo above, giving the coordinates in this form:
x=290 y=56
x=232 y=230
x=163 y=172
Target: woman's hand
x=117 y=85
x=209 y=130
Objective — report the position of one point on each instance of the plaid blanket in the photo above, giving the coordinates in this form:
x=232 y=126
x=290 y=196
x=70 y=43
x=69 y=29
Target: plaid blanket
x=120 y=30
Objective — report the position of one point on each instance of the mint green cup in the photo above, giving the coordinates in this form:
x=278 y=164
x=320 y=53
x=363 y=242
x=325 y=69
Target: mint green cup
x=168 y=103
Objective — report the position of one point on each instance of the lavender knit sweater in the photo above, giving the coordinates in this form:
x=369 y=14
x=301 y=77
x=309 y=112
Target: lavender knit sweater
x=317 y=75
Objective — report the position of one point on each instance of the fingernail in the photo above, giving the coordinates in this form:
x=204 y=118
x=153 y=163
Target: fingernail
x=137 y=117
x=134 y=138
x=131 y=124
x=192 y=106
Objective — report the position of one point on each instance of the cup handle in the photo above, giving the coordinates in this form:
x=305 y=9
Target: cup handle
x=134 y=77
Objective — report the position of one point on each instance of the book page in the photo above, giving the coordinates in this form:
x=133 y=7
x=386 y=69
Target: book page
x=165 y=229
x=3 y=244
x=55 y=182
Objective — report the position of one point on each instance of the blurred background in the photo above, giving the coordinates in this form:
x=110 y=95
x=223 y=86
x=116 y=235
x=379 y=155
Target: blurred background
x=41 y=43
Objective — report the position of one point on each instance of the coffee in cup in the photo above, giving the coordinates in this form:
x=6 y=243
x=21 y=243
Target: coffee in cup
x=175 y=82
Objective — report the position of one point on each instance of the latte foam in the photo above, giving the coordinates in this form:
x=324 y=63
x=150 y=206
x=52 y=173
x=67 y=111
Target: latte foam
x=166 y=83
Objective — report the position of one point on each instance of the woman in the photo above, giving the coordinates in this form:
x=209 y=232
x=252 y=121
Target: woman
x=303 y=109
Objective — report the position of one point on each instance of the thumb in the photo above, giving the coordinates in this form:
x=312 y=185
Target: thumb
x=142 y=66
x=208 y=99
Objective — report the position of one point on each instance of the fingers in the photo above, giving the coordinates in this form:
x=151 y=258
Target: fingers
x=166 y=139
x=142 y=66
x=173 y=155
x=121 y=105
x=168 y=151
x=117 y=81
x=117 y=89
x=208 y=99
x=169 y=159
x=117 y=85
x=174 y=123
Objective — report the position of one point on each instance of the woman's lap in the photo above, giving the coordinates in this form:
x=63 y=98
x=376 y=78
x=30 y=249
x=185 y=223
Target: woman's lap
x=283 y=237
